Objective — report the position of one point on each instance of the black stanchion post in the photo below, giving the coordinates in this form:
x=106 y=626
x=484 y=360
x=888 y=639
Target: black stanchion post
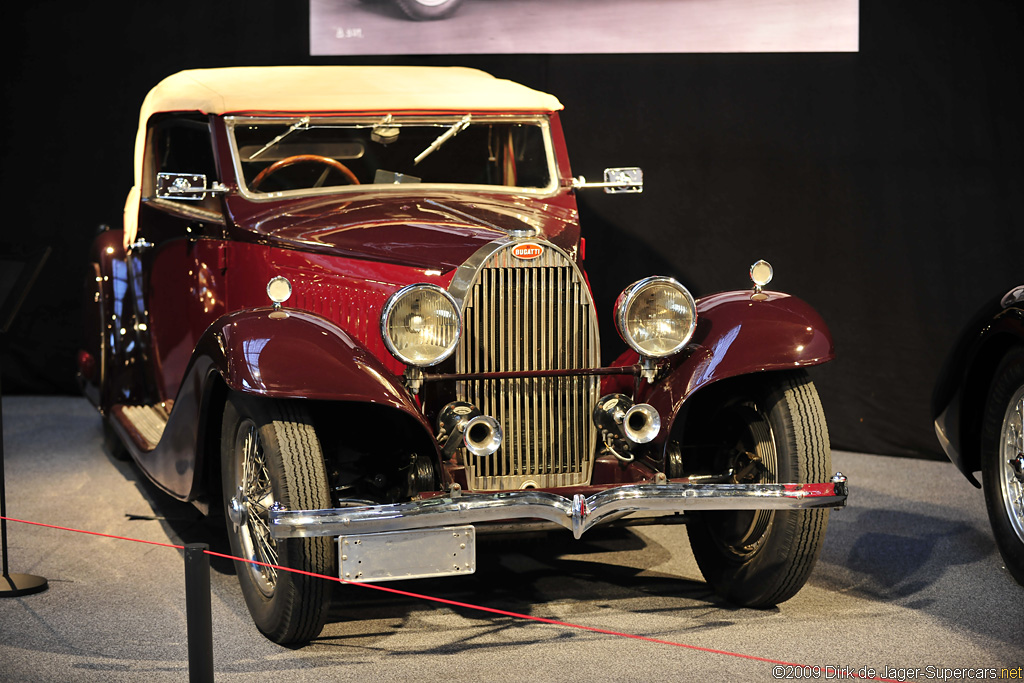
x=198 y=615
x=13 y=288
x=12 y=585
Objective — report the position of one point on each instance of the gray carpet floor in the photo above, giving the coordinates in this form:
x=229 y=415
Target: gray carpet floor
x=909 y=581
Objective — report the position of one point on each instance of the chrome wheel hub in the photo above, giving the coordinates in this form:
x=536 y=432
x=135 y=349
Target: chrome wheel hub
x=249 y=508
x=1011 y=474
x=1017 y=464
x=238 y=511
x=754 y=460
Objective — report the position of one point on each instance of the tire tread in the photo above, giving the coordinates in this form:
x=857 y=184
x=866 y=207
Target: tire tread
x=300 y=603
x=797 y=535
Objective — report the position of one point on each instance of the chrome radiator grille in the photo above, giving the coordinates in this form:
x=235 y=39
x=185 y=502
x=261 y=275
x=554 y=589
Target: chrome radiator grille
x=531 y=315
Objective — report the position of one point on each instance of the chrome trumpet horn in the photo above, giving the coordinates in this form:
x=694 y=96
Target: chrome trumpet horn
x=637 y=423
x=461 y=424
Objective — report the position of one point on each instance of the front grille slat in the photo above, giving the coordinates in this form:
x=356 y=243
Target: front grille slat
x=531 y=315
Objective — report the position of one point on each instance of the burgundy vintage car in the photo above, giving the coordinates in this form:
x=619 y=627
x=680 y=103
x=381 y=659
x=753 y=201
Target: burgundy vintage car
x=348 y=310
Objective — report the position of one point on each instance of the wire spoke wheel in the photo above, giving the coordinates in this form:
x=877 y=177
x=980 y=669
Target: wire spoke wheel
x=774 y=433
x=1010 y=480
x=250 y=508
x=1002 y=461
x=271 y=455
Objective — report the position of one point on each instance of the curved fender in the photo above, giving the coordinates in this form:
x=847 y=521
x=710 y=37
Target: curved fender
x=296 y=354
x=739 y=333
x=290 y=354
x=961 y=390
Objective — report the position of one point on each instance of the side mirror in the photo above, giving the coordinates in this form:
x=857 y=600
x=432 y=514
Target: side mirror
x=628 y=180
x=188 y=186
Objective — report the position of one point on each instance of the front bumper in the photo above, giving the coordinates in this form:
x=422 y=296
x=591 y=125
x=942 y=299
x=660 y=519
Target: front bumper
x=577 y=514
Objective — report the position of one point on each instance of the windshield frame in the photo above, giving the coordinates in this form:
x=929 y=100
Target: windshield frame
x=443 y=121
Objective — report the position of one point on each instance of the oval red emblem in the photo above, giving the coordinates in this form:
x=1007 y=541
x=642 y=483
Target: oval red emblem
x=527 y=251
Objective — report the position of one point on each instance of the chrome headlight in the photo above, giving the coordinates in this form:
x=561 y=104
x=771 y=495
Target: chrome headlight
x=421 y=325
x=656 y=316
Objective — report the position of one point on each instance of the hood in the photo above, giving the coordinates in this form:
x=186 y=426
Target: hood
x=438 y=231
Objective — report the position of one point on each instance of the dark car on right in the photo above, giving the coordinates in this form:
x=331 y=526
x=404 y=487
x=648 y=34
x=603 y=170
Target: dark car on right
x=978 y=406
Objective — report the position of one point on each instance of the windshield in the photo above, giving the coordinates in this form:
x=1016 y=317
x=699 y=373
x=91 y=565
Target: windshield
x=311 y=155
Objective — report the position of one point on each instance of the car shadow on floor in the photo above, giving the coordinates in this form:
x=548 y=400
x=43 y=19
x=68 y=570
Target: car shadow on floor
x=182 y=522
x=921 y=560
x=545 y=576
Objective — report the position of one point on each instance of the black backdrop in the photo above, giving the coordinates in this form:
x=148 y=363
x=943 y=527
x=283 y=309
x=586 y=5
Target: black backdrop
x=884 y=186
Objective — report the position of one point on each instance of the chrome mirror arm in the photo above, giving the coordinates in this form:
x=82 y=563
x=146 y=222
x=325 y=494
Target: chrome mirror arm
x=616 y=181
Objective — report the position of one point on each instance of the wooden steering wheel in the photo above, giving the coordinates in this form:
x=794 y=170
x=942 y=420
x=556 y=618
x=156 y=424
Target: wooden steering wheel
x=301 y=159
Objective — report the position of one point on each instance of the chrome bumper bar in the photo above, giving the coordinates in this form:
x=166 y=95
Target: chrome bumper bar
x=576 y=514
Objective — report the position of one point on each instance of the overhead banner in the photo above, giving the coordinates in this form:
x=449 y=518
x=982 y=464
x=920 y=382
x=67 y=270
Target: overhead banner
x=427 y=27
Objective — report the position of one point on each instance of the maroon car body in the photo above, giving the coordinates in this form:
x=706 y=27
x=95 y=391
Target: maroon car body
x=433 y=365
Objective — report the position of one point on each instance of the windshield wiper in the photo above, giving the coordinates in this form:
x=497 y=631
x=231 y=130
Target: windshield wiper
x=444 y=137
x=301 y=123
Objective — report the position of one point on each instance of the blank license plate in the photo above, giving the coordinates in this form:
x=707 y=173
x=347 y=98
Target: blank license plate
x=416 y=554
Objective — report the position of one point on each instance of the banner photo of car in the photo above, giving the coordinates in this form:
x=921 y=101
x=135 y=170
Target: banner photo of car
x=419 y=27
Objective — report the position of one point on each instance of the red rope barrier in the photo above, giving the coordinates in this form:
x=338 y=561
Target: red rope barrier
x=478 y=608
x=93 y=533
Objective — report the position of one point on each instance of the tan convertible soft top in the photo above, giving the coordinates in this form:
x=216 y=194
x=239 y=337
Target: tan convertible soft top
x=328 y=89
x=307 y=89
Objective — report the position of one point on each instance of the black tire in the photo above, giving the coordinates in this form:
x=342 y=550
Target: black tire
x=277 y=437
x=427 y=10
x=1002 y=443
x=761 y=558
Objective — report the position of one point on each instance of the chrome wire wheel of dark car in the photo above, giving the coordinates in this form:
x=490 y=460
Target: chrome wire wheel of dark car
x=775 y=433
x=1002 y=461
x=270 y=454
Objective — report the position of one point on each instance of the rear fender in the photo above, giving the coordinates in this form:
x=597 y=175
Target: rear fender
x=739 y=333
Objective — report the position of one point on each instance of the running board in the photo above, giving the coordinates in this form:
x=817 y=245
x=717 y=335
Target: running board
x=144 y=424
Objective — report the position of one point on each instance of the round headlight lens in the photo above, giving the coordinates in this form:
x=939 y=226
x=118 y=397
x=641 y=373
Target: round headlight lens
x=421 y=325
x=656 y=316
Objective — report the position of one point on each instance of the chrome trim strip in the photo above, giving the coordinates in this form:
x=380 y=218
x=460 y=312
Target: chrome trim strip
x=466 y=274
x=578 y=514
x=188 y=211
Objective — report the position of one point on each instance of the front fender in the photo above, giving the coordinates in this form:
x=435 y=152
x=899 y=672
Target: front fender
x=962 y=387
x=296 y=354
x=740 y=333
x=290 y=354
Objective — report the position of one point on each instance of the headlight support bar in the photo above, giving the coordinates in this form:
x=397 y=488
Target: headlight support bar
x=634 y=370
